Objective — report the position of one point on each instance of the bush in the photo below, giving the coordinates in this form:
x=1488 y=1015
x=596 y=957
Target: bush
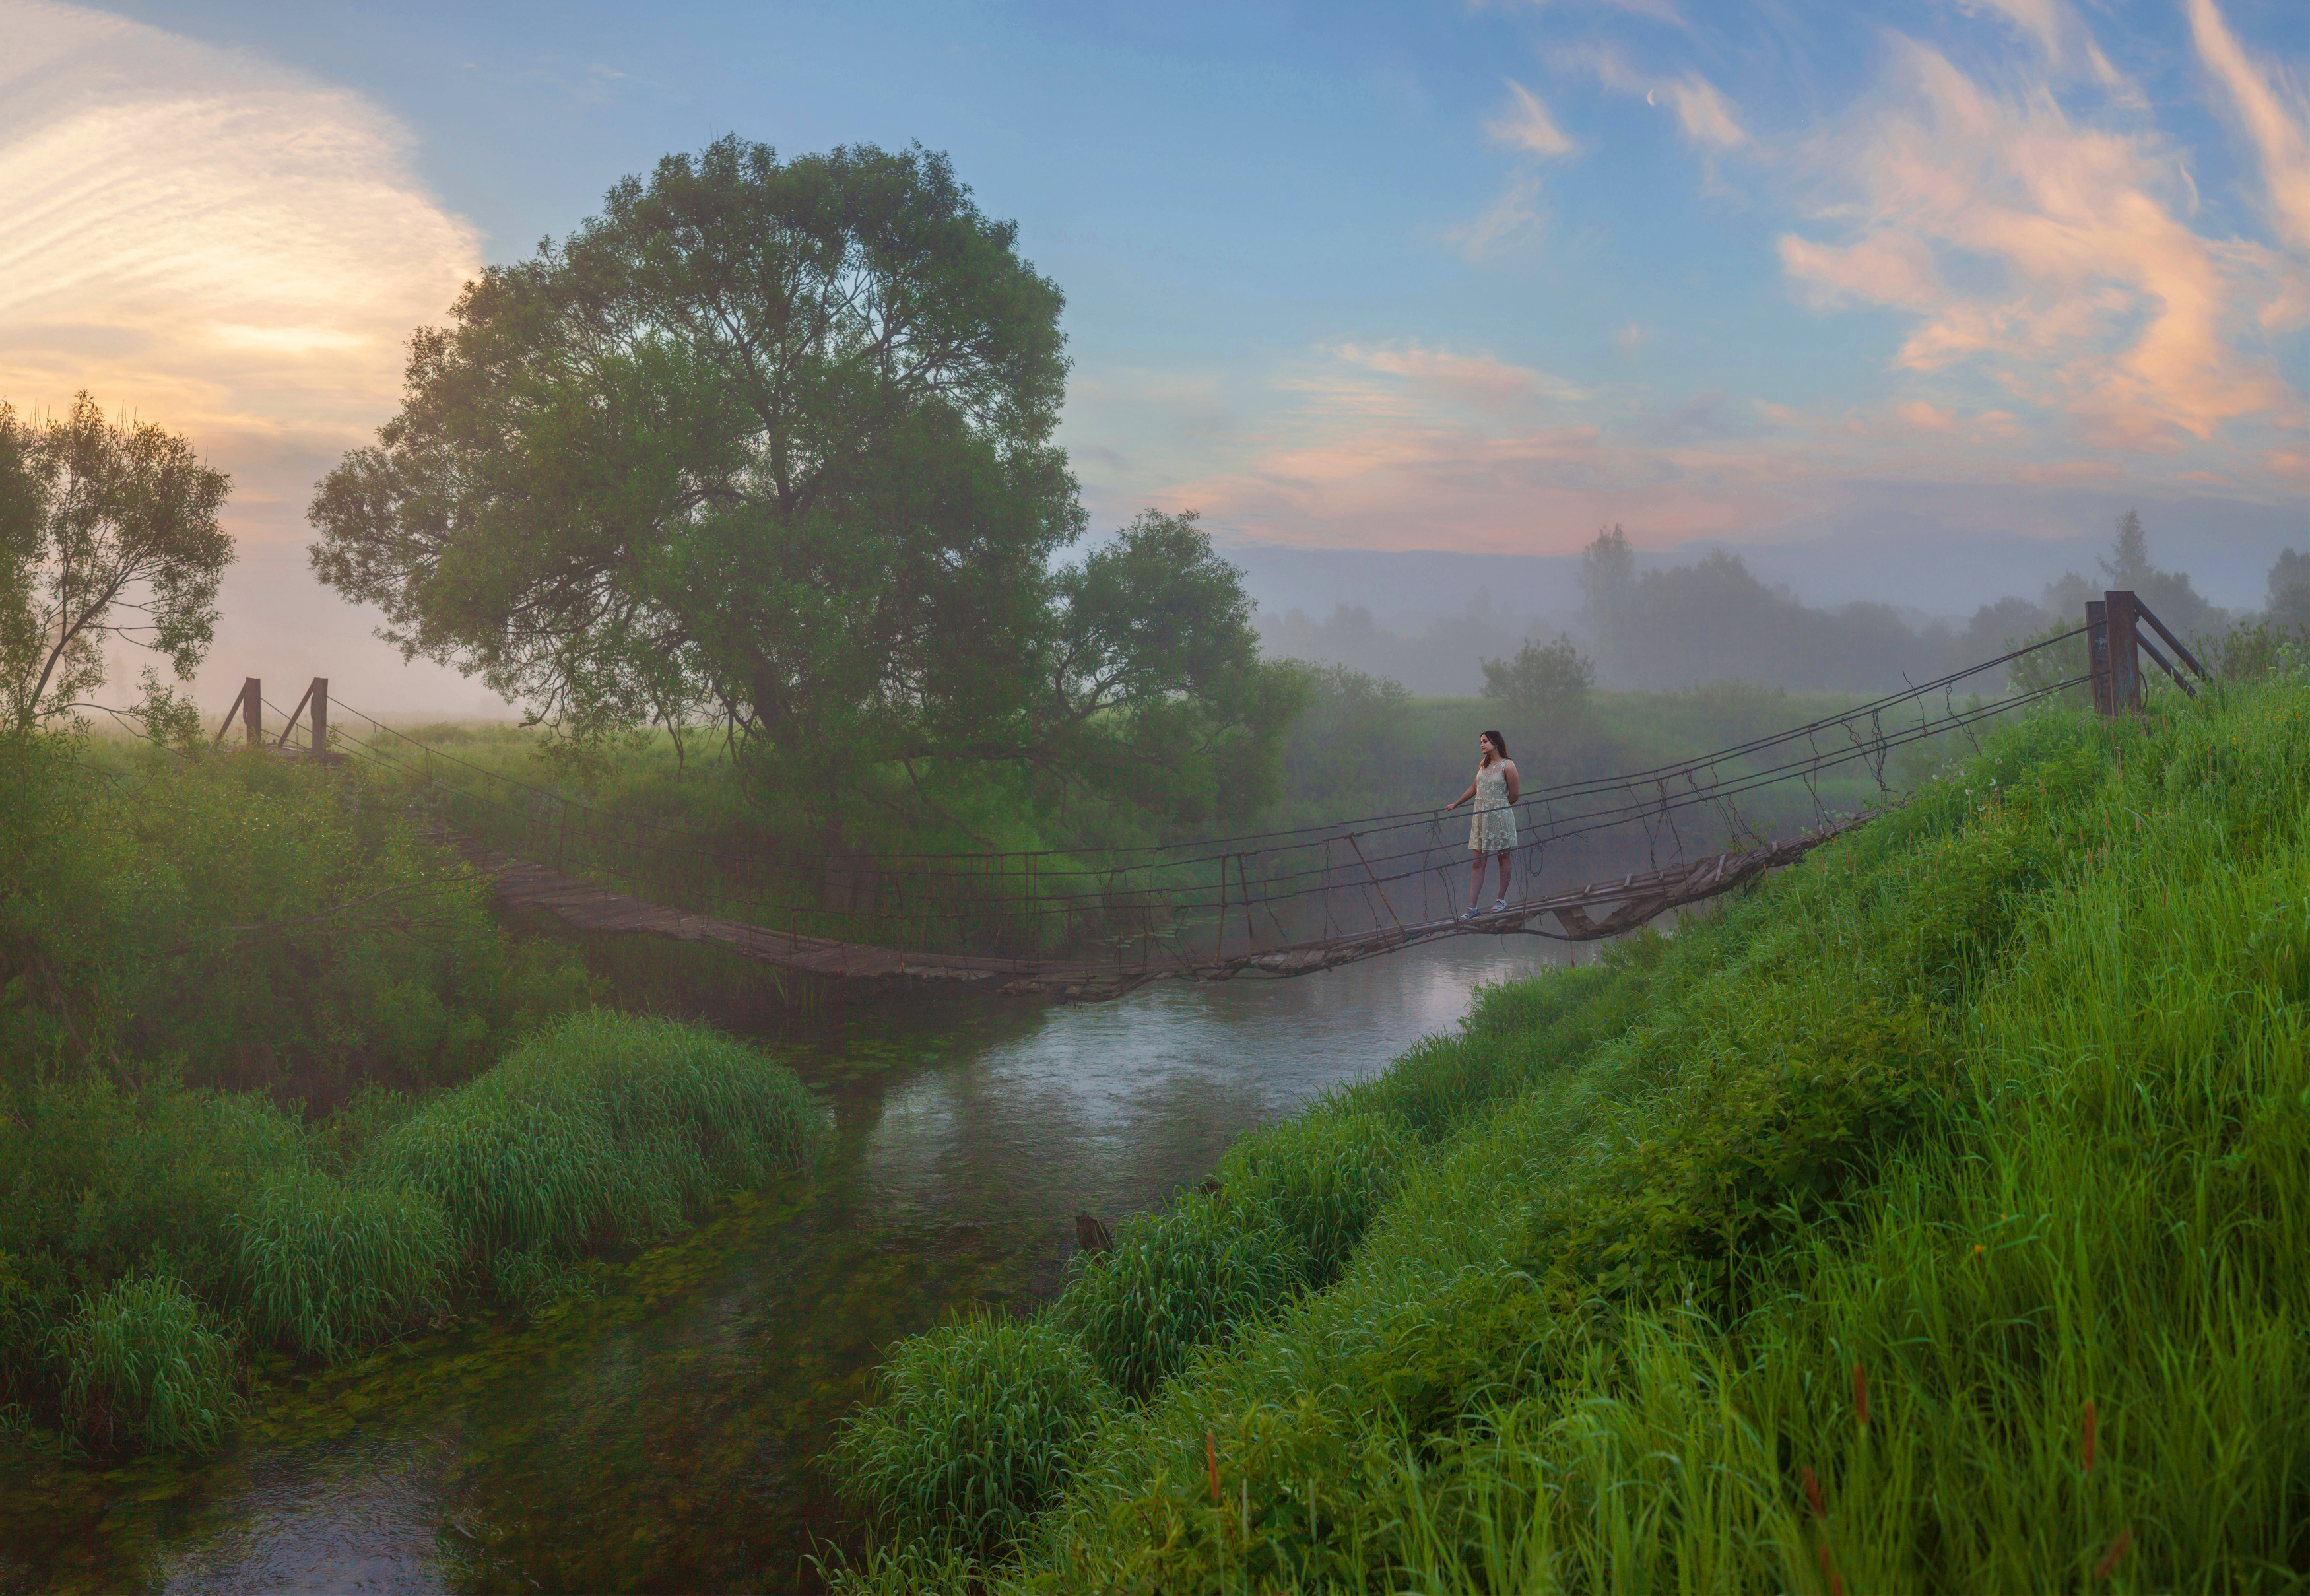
x=257 y=922
x=1324 y=1176
x=327 y=1266
x=1175 y=1281
x=145 y=1366
x=606 y=1128
x=981 y=1423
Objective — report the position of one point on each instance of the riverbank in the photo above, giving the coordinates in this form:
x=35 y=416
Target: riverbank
x=1922 y=1221
x=671 y=1432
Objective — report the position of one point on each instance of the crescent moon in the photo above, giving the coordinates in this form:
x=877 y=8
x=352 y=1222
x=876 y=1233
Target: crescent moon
x=1648 y=98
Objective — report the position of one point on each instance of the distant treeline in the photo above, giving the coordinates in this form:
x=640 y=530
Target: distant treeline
x=1714 y=619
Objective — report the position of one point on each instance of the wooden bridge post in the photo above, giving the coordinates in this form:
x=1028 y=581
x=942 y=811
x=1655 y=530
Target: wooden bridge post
x=2121 y=617
x=2097 y=653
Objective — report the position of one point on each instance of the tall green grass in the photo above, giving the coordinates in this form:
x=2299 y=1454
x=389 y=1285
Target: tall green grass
x=329 y=1265
x=982 y=1423
x=607 y=1129
x=145 y=1366
x=144 y=1233
x=1991 y=1122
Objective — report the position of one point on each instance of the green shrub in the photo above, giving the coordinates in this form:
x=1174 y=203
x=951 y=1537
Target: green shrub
x=605 y=1128
x=93 y=1178
x=1324 y=1175
x=1177 y=1280
x=981 y=1423
x=145 y=1366
x=328 y=1265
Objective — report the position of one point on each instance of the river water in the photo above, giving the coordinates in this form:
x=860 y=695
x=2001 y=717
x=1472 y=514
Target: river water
x=666 y=1436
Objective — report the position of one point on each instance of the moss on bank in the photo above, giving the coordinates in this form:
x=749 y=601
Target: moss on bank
x=1927 y=1219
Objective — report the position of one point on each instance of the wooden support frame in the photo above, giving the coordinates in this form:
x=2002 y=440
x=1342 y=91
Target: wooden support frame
x=2115 y=645
x=250 y=707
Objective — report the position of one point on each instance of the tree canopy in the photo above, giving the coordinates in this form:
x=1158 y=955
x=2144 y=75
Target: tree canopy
x=767 y=445
x=108 y=535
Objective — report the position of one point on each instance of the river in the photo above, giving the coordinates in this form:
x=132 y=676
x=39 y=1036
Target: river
x=667 y=1434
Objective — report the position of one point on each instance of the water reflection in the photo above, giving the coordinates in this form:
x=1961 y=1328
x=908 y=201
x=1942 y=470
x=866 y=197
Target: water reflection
x=668 y=1436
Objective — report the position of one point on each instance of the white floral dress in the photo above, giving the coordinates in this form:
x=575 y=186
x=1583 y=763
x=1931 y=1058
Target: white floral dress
x=1492 y=830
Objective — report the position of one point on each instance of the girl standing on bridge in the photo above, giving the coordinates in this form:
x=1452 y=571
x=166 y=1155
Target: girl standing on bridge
x=1492 y=830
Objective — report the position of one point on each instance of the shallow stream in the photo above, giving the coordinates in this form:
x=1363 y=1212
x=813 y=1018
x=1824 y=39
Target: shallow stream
x=666 y=1436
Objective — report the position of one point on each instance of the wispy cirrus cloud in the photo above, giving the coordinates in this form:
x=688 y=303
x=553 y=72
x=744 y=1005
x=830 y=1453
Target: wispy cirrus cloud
x=210 y=240
x=1708 y=118
x=2049 y=256
x=1527 y=127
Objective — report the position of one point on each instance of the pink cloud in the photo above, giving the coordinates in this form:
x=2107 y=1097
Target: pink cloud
x=1529 y=127
x=1926 y=418
x=1481 y=380
x=2273 y=119
x=2068 y=470
x=2083 y=288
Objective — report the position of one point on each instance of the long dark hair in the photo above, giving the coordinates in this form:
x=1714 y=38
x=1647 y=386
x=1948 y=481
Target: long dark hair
x=1499 y=743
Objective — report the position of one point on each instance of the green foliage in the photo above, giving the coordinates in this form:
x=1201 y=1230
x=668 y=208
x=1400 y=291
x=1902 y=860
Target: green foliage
x=328 y=1266
x=1324 y=1176
x=2001 y=1100
x=108 y=537
x=1176 y=1281
x=2274 y=646
x=145 y=1367
x=607 y=1128
x=94 y=1178
x=982 y=1423
x=1547 y=679
x=1352 y=731
x=765 y=448
x=251 y=920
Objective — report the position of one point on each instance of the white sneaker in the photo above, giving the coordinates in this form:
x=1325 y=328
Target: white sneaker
x=1499 y=905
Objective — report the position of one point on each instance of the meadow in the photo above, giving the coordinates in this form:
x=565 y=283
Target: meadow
x=1926 y=1219
x=273 y=1082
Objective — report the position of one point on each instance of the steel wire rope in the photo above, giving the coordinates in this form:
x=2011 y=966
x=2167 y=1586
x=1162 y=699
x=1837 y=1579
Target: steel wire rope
x=1598 y=819
x=1232 y=844
x=1927 y=727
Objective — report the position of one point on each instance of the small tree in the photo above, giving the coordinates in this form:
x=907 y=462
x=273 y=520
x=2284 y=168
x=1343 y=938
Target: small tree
x=107 y=535
x=1546 y=679
x=1608 y=569
x=2289 y=589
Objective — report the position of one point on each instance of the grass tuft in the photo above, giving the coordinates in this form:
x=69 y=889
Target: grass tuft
x=983 y=1422
x=329 y=1266
x=605 y=1129
x=145 y=1366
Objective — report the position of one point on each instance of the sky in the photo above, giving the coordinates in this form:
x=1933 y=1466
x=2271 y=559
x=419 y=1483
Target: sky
x=1910 y=299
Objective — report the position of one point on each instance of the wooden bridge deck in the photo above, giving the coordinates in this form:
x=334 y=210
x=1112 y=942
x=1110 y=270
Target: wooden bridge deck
x=1601 y=909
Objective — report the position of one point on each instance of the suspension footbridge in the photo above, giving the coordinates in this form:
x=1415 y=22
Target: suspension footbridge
x=1092 y=923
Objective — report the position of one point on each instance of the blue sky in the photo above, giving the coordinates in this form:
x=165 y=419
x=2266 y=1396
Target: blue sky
x=1415 y=276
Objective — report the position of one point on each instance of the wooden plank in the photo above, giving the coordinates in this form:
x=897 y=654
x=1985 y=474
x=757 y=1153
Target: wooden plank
x=1634 y=899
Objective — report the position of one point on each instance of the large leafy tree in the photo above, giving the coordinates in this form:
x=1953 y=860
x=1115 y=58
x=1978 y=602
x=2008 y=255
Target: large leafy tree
x=108 y=539
x=767 y=445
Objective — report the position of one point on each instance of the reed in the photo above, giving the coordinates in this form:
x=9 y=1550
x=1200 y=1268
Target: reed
x=1323 y=1175
x=328 y=1266
x=1177 y=1280
x=145 y=1366
x=607 y=1129
x=981 y=1423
